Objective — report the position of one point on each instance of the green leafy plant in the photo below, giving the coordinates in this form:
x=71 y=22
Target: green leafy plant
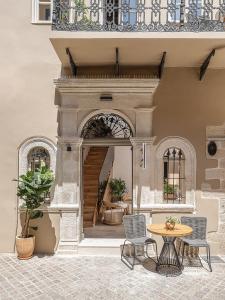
x=172 y=220
x=82 y=11
x=32 y=189
x=169 y=188
x=118 y=188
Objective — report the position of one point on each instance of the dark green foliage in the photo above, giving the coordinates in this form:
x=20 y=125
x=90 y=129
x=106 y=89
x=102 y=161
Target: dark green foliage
x=118 y=188
x=32 y=188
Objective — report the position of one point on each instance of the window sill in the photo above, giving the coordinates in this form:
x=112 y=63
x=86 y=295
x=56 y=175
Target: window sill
x=41 y=22
x=161 y=208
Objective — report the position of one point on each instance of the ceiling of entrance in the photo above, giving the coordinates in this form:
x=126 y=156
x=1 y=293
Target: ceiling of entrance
x=183 y=50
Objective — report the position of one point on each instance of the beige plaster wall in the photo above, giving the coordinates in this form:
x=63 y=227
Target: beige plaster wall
x=28 y=67
x=47 y=235
x=185 y=106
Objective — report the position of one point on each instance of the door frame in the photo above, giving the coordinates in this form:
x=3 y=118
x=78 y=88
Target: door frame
x=101 y=142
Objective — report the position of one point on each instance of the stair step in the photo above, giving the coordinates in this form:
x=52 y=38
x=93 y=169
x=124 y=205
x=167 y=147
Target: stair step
x=87 y=224
x=91 y=189
x=90 y=183
x=91 y=171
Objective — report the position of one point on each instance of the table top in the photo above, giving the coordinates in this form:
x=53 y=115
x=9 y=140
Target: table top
x=178 y=231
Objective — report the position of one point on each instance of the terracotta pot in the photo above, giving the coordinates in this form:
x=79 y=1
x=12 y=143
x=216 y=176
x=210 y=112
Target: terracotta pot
x=170 y=226
x=25 y=247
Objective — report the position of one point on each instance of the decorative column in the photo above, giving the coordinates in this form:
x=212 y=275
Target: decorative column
x=67 y=192
x=143 y=171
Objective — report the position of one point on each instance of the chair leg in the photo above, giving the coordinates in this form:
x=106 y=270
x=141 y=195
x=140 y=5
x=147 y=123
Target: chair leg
x=182 y=259
x=209 y=258
x=124 y=258
x=156 y=251
x=178 y=251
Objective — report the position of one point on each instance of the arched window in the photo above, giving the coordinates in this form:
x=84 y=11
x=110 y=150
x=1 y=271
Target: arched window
x=174 y=176
x=36 y=151
x=175 y=172
x=37 y=157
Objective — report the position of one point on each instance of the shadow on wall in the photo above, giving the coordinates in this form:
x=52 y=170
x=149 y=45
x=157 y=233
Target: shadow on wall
x=46 y=240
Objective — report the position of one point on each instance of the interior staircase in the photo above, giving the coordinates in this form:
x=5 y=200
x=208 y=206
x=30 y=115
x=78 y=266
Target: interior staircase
x=91 y=171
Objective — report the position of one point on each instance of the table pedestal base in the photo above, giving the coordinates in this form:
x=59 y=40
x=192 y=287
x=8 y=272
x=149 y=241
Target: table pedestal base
x=169 y=263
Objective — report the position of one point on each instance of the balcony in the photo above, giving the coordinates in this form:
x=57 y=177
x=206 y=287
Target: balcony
x=139 y=15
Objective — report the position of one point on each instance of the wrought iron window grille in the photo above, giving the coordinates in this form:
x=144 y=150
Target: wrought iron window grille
x=106 y=126
x=174 y=176
x=139 y=15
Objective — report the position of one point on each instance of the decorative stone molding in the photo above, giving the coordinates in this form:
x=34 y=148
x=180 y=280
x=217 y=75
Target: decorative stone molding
x=143 y=192
x=190 y=167
x=67 y=190
x=117 y=85
x=216 y=134
x=69 y=236
x=31 y=143
x=217 y=238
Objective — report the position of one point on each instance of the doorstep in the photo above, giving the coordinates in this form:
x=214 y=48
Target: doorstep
x=100 y=247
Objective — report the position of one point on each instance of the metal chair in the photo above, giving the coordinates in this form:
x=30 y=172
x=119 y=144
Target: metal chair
x=198 y=236
x=135 y=231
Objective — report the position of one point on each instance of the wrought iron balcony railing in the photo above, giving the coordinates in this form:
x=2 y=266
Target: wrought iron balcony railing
x=139 y=15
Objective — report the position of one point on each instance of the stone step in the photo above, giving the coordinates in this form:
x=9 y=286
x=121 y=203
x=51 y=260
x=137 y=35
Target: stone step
x=100 y=247
x=92 y=172
x=89 y=183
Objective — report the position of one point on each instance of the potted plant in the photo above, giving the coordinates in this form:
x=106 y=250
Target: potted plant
x=118 y=189
x=32 y=189
x=171 y=222
x=170 y=191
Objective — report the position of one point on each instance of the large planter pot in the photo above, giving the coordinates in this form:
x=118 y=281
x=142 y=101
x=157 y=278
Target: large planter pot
x=25 y=247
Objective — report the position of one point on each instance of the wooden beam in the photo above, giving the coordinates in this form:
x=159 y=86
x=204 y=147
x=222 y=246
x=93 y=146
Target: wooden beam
x=72 y=63
x=161 y=65
x=117 y=66
x=205 y=64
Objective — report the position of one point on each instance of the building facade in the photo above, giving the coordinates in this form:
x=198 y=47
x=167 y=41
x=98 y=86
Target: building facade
x=156 y=72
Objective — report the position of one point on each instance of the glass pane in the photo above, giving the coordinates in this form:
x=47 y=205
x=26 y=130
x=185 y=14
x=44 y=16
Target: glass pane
x=44 y=12
x=37 y=157
x=174 y=176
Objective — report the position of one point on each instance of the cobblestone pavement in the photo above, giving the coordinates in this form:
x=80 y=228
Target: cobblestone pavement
x=101 y=278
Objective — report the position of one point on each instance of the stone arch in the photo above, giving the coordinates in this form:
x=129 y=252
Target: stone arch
x=190 y=166
x=102 y=112
x=29 y=144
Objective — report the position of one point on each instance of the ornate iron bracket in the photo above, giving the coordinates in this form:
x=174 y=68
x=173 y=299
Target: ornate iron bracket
x=117 y=65
x=205 y=64
x=161 y=65
x=72 y=63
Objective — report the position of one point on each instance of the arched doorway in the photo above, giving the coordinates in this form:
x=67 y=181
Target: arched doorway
x=107 y=174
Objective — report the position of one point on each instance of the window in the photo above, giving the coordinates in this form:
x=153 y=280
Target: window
x=174 y=11
x=37 y=157
x=41 y=11
x=36 y=151
x=175 y=172
x=129 y=10
x=174 y=176
x=180 y=10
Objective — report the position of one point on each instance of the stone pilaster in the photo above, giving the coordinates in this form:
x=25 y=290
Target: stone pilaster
x=67 y=192
x=142 y=170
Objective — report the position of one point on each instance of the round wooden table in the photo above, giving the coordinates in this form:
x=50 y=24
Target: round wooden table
x=168 y=262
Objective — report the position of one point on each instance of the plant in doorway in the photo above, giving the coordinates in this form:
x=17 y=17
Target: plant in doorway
x=32 y=189
x=118 y=189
